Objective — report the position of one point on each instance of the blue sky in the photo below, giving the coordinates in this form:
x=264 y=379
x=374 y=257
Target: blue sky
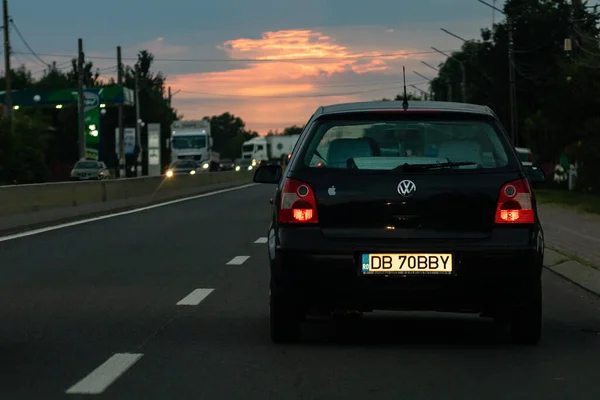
x=233 y=29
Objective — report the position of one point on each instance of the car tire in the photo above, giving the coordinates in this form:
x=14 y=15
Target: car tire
x=285 y=316
x=526 y=318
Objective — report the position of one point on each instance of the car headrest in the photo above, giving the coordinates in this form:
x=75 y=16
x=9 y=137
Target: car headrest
x=340 y=150
x=461 y=150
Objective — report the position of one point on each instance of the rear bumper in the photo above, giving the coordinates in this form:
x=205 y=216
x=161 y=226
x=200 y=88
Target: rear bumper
x=486 y=273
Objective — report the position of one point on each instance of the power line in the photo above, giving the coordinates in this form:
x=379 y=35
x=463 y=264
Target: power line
x=296 y=96
x=258 y=60
x=33 y=53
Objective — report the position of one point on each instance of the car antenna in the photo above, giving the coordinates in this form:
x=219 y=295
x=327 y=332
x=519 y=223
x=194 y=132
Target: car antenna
x=405 y=100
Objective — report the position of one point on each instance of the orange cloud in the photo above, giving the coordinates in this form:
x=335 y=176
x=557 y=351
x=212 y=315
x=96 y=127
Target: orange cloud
x=295 y=64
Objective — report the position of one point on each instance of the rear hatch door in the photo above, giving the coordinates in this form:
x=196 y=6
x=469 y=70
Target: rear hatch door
x=417 y=205
x=370 y=173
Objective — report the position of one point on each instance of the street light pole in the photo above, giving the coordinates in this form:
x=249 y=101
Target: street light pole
x=449 y=85
x=514 y=133
x=463 y=70
x=453 y=34
x=420 y=90
x=427 y=79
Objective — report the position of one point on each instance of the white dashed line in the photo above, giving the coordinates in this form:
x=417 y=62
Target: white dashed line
x=103 y=376
x=261 y=240
x=194 y=298
x=239 y=260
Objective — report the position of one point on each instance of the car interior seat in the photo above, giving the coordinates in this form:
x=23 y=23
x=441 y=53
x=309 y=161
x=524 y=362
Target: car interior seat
x=340 y=150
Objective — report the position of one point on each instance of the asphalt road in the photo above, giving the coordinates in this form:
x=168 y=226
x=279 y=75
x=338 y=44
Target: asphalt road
x=106 y=293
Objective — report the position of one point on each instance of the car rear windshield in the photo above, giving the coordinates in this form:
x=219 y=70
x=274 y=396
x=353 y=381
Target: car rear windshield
x=87 y=165
x=388 y=143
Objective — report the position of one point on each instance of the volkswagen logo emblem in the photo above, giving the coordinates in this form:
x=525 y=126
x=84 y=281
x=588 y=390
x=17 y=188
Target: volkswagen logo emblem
x=407 y=188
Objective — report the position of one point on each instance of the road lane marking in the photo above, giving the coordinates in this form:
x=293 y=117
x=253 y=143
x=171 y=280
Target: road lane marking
x=194 y=298
x=238 y=260
x=118 y=214
x=103 y=376
x=261 y=240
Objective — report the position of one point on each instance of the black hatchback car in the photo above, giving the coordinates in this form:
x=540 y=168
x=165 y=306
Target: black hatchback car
x=423 y=209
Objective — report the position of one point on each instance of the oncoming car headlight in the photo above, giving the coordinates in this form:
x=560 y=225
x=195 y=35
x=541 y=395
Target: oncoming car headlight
x=249 y=167
x=205 y=165
x=237 y=167
x=193 y=172
x=169 y=173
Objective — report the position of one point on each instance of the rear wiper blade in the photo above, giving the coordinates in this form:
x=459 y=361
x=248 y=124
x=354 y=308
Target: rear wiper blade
x=424 y=167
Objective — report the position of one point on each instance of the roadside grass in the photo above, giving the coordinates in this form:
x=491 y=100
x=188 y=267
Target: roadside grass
x=582 y=202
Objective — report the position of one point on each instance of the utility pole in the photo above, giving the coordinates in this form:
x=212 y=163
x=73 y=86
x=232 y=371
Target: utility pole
x=80 y=101
x=512 y=84
x=138 y=121
x=170 y=96
x=120 y=116
x=8 y=96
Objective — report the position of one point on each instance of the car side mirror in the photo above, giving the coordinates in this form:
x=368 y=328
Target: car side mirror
x=268 y=174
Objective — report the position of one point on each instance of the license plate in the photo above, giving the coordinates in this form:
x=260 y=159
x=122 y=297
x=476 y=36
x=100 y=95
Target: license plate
x=407 y=264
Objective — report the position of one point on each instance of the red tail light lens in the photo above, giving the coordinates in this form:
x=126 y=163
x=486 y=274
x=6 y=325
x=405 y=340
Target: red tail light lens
x=515 y=204
x=298 y=203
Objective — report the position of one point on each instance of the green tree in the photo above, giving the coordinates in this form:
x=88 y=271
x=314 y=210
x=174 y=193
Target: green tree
x=229 y=132
x=20 y=78
x=22 y=151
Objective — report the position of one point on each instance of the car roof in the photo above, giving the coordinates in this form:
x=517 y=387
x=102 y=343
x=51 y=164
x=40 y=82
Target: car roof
x=365 y=106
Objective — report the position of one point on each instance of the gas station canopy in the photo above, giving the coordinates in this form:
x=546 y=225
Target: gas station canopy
x=110 y=96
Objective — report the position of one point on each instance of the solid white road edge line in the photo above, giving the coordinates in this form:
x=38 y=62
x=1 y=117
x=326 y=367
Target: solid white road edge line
x=103 y=376
x=118 y=214
x=261 y=240
x=238 y=260
x=194 y=298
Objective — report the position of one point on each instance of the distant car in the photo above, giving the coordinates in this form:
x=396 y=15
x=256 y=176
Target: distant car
x=525 y=156
x=244 y=165
x=226 y=164
x=535 y=174
x=89 y=170
x=424 y=209
x=182 y=167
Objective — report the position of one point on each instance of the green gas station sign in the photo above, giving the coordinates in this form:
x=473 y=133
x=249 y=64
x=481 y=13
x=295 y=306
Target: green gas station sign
x=92 y=124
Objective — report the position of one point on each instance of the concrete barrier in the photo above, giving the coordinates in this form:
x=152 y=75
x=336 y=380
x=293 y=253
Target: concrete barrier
x=29 y=205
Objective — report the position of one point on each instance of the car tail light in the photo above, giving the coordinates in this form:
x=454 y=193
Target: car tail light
x=515 y=204
x=298 y=203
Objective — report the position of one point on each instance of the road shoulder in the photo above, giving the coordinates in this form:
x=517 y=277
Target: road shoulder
x=37 y=220
x=574 y=271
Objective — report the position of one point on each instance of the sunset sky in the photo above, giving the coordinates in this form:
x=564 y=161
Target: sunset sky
x=312 y=52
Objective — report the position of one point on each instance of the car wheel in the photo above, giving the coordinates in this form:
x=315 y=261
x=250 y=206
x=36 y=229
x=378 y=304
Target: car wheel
x=526 y=318
x=285 y=316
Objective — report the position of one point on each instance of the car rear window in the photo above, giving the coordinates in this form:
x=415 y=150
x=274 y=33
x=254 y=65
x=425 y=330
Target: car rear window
x=389 y=143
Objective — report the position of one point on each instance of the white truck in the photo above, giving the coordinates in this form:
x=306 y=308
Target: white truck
x=268 y=149
x=192 y=140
